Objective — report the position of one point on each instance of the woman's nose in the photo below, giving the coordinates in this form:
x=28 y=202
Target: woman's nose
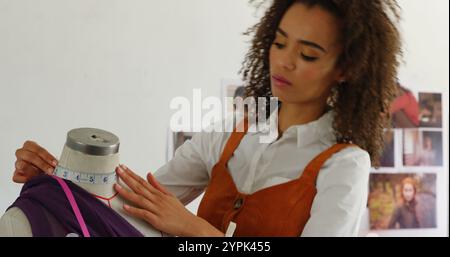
x=287 y=61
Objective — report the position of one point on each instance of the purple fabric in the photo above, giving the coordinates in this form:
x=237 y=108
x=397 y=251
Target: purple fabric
x=50 y=215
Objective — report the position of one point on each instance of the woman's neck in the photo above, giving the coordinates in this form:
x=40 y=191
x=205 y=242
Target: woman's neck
x=295 y=114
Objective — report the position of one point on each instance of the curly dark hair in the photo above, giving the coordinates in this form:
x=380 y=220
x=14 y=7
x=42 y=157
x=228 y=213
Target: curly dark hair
x=371 y=56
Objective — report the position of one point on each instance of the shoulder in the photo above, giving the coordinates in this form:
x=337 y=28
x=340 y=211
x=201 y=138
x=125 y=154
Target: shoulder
x=15 y=223
x=349 y=166
x=351 y=155
x=214 y=137
x=13 y=215
x=207 y=144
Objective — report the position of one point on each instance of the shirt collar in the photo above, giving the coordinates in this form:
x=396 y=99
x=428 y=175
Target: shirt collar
x=320 y=129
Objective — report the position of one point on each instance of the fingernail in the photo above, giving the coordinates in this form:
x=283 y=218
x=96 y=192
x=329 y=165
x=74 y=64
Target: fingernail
x=20 y=165
x=54 y=162
x=50 y=170
x=123 y=166
x=127 y=207
x=120 y=170
x=118 y=186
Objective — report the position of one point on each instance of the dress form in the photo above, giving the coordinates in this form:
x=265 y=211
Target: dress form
x=89 y=159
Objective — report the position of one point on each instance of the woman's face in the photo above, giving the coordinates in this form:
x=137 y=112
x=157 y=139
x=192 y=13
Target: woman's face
x=304 y=54
x=408 y=192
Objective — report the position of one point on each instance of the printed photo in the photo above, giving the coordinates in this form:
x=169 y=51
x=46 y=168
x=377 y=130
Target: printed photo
x=232 y=88
x=430 y=110
x=405 y=109
x=422 y=147
x=181 y=137
x=388 y=156
x=175 y=140
x=402 y=201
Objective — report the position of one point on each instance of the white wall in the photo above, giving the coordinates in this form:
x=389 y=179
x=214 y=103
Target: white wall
x=117 y=64
x=109 y=64
x=425 y=28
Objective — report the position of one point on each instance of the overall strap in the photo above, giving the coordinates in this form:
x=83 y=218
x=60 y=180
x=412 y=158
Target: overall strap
x=74 y=206
x=234 y=141
x=312 y=169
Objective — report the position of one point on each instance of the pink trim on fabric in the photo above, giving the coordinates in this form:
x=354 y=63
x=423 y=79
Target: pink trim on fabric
x=74 y=206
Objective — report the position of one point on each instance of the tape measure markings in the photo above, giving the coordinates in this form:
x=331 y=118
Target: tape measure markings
x=86 y=177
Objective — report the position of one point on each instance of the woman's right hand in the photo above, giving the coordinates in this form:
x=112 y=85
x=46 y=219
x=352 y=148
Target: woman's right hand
x=32 y=160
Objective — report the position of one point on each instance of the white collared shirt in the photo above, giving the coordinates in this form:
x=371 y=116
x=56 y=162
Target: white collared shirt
x=342 y=183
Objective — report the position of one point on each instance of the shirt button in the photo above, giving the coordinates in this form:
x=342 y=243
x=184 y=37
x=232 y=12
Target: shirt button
x=238 y=203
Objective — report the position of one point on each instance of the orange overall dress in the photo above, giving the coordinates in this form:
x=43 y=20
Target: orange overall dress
x=280 y=210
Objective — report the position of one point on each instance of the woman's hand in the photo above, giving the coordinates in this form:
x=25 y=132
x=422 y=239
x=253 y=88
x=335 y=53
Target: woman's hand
x=160 y=208
x=32 y=160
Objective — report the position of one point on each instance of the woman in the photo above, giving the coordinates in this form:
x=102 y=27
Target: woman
x=404 y=215
x=333 y=66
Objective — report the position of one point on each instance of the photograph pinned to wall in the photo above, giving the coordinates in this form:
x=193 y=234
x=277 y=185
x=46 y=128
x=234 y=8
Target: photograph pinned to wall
x=231 y=88
x=422 y=147
x=402 y=201
x=175 y=140
x=430 y=105
x=405 y=109
x=387 y=159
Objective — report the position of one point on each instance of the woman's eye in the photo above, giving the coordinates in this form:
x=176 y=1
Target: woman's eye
x=278 y=45
x=308 y=58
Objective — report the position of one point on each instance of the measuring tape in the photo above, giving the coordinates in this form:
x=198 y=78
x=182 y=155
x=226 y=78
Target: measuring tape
x=86 y=177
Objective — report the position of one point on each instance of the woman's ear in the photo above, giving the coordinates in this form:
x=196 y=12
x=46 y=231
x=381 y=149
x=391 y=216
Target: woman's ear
x=341 y=78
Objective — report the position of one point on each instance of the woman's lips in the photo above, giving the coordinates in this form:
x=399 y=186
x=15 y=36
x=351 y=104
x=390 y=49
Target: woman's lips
x=280 y=81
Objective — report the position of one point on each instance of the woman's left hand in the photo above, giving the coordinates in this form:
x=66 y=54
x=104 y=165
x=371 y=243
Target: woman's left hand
x=160 y=208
